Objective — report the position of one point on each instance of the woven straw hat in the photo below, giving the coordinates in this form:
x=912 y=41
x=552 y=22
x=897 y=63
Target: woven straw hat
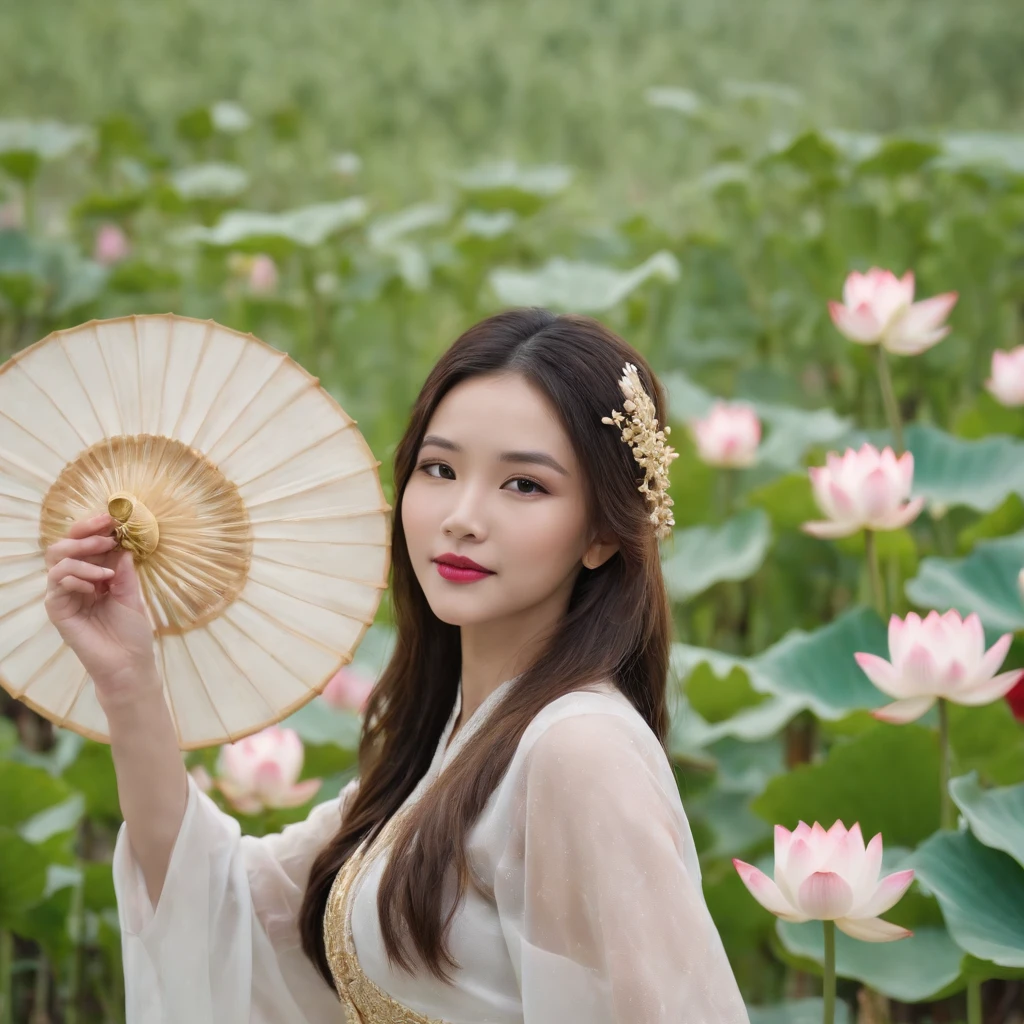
x=251 y=503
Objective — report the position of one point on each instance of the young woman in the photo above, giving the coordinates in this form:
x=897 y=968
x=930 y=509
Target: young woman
x=514 y=850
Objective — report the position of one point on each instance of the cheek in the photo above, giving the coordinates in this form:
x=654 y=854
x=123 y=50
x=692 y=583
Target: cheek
x=414 y=512
x=546 y=536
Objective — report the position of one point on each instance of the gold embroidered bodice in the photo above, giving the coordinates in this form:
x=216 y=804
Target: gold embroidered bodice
x=364 y=1001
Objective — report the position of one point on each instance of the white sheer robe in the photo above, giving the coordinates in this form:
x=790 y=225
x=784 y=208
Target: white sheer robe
x=598 y=915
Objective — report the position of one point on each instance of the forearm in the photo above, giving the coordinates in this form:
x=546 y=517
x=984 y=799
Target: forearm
x=151 y=782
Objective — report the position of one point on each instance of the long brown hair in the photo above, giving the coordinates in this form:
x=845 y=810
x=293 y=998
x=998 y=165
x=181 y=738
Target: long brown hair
x=617 y=626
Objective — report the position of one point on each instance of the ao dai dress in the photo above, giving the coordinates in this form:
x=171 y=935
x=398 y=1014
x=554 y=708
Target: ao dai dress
x=597 y=918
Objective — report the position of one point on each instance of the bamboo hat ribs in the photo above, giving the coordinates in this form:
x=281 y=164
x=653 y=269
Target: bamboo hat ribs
x=249 y=499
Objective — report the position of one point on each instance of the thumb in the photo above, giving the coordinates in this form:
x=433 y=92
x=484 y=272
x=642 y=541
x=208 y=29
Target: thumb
x=124 y=586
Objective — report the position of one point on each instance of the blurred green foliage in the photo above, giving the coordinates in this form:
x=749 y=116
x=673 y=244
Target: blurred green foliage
x=702 y=179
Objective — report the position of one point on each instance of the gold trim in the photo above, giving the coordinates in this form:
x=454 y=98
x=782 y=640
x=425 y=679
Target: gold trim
x=363 y=1000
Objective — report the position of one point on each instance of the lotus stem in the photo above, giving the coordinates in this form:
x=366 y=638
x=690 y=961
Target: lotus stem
x=892 y=409
x=974 y=1015
x=829 y=990
x=877 y=590
x=726 y=487
x=6 y=976
x=945 y=804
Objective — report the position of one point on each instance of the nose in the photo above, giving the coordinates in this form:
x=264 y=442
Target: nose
x=467 y=515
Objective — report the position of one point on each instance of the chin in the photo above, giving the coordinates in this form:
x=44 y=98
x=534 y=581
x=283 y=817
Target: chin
x=450 y=613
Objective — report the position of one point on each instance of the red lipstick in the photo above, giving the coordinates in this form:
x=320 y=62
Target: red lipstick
x=459 y=569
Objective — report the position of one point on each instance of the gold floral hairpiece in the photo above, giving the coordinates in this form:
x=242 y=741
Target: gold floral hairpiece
x=649 y=447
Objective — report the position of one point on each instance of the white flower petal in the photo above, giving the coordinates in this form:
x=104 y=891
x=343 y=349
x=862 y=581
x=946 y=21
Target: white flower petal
x=872 y=929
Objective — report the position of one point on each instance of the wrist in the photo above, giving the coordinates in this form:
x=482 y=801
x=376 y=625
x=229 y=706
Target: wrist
x=120 y=697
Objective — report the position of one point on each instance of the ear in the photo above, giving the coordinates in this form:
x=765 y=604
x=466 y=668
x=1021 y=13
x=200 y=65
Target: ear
x=599 y=552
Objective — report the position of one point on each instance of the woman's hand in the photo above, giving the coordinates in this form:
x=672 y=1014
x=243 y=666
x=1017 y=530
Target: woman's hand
x=94 y=598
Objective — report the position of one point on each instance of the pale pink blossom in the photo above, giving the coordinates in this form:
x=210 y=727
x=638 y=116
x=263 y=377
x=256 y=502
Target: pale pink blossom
x=1007 y=381
x=348 y=690
x=262 y=275
x=878 y=308
x=728 y=436
x=940 y=656
x=12 y=215
x=111 y=245
x=261 y=771
x=829 y=876
x=863 y=490
x=202 y=778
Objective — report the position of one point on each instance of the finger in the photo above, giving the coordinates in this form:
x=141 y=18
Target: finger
x=83 y=570
x=95 y=545
x=73 y=583
x=103 y=523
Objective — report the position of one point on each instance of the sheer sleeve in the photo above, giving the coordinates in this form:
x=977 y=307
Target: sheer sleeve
x=599 y=888
x=222 y=945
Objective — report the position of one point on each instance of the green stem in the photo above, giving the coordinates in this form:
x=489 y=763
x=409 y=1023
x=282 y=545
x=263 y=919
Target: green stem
x=28 y=200
x=6 y=976
x=877 y=591
x=829 y=981
x=892 y=410
x=41 y=995
x=946 y=804
x=726 y=482
x=974 y=1001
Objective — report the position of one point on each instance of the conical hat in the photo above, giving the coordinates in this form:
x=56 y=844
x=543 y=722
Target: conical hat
x=251 y=502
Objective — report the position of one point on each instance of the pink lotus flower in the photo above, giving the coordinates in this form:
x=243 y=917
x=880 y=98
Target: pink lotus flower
x=942 y=656
x=863 y=490
x=1007 y=381
x=728 y=436
x=879 y=309
x=829 y=876
x=111 y=245
x=348 y=690
x=262 y=275
x=261 y=770
x=202 y=778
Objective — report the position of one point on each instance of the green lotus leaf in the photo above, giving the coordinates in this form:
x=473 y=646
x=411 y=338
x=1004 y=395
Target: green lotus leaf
x=819 y=668
x=26 y=790
x=981 y=150
x=797 y=1011
x=912 y=970
x=857 y=783
x=684 y=101
x=984 y=582
x=995 y=816
x=210 y=181
x=25 y=145
x=23 y=878
x=505 y=176
x=307 y=226
x=388 y=229
x=229 y=117
x=583 y=287
x=804 y=670
x=981 y=892
x=703 y=556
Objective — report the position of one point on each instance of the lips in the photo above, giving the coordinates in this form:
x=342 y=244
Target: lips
x=459 y=569
x=461 y=562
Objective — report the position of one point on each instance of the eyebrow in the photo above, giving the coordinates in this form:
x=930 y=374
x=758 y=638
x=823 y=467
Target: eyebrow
x=536 y=458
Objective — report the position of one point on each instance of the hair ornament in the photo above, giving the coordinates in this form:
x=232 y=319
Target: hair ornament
x=641 y=433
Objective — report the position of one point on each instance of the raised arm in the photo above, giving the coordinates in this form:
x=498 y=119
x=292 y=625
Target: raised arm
x=222 y=944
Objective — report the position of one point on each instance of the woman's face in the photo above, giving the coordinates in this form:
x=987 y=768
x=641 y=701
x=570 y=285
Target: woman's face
x=496 y=480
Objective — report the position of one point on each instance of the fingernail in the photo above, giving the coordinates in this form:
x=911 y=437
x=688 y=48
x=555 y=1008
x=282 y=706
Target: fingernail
x=108 y=572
